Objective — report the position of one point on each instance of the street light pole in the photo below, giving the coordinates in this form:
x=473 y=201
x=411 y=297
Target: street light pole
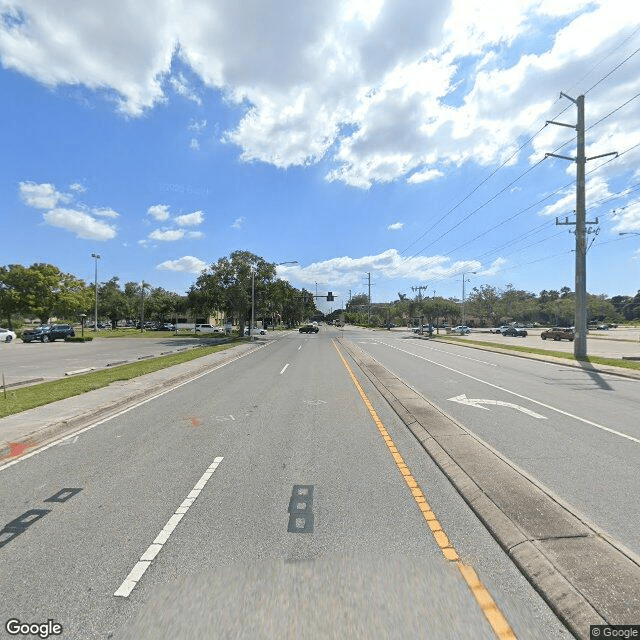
x=95 y=319
x=253 y=282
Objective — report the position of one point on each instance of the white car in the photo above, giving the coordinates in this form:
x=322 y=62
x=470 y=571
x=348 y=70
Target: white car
x=6 y=335
x=461 y=329
x=208 y=328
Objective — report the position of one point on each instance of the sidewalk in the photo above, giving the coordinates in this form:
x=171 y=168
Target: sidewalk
x=36 y=427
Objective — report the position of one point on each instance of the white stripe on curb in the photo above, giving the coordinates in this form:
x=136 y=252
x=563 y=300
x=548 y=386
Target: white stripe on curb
x=154 y=548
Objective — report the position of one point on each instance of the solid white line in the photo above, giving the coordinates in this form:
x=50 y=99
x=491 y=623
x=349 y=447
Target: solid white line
x=284 y=368
x=448 y=353
x=154 y=548
x=120 y=413
x=542 y=404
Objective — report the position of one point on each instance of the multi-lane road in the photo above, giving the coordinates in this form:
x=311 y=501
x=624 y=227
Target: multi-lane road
x=281 y=496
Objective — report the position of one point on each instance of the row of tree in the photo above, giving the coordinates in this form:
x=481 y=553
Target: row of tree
x=488 y=306
x=43 y=291
x=229 y=286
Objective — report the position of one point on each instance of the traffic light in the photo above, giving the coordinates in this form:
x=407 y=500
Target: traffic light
x=330 y=296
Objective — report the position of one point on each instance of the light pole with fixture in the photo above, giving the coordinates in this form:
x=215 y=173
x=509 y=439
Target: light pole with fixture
x=95 y=319
x=463 y=282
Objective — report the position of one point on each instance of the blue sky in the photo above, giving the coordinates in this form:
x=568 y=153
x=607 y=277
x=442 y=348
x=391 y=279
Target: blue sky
x=390 y=138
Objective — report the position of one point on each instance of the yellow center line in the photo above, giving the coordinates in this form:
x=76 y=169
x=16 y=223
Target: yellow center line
x=490 y=609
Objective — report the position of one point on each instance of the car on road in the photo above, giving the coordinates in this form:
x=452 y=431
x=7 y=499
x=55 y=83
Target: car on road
x=6 y=335
x=514 y=332
x=48 y=333
x=461 y=329
x=558 y=333
x=309 y=328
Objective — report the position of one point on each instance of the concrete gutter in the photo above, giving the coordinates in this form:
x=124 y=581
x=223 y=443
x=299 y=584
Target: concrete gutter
x=586 y=577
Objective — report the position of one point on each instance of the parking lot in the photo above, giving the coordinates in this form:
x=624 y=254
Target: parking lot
x=614 y=343
x=22 y=363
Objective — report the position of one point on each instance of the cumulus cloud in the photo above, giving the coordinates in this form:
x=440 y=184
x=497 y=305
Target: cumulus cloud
x=190 y=219
x=345 y=271
x=396 y=226
x=238 y=223
x=381 y=91
x=186 y=264
x=168 y=235
x=81 y=223
x=106 y=212
x=41 y=196
x=159 y=212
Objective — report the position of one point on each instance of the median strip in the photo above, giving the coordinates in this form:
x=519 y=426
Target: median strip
x=494 y=616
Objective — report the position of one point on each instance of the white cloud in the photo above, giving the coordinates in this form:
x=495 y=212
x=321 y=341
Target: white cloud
x=159 y=212
x=186 y=264
x=81 y=223
x=345 y=271
x=41 y=196
x=238 y=223
x=195 y=235
x=194 y=145
x=396 y=226
x=181 y=86
x=77 y=187
x=190 y=219
x=106 y=213
x=381 y=91
x=169 y=235
x=197 y=126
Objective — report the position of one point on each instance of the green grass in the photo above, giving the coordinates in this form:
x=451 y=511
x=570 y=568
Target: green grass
x=40 y=394
x=613 y=362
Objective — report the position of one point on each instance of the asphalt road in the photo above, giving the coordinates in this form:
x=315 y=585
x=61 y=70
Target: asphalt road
x=204 y=487
x=575 y=431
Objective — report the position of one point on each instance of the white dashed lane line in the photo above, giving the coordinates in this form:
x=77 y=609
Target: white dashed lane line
x=154 y=548
x=284 y=368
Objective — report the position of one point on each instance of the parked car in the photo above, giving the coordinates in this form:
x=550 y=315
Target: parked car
x=515 y=332
x=48 y=333
x=557 y=333
x=309 y=328
x=208 y=328
x=461 y=329
x=6 y=335
x=499 y=329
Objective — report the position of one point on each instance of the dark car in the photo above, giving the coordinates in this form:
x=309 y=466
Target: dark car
x=309 y=328
x=515 y=332
x=558 y=333
x=48 y=333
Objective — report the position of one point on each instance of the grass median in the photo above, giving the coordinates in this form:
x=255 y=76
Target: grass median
x=612 y=362
x=24 y=398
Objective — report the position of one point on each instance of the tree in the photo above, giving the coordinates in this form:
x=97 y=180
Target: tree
x=226 y=286
x=111 y=301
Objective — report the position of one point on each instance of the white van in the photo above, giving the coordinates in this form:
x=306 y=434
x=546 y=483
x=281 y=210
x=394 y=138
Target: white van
x=208 y=328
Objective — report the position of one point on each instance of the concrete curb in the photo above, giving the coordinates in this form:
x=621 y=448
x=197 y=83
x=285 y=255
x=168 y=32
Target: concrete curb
x=53 y=430
x=584 y=577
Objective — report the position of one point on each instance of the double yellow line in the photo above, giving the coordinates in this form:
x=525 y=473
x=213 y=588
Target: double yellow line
x=490 y=609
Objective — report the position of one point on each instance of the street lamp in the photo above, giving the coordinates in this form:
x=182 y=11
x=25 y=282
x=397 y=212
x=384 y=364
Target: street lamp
x=95 y=319
x=463 y=281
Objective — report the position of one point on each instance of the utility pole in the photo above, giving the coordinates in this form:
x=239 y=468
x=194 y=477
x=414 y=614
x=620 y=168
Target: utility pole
x=580 y=342
x=420 y=289
x=369 y=307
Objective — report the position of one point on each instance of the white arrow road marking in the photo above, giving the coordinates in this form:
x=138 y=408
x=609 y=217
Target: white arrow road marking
x=478 y=402
x=513 y=393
